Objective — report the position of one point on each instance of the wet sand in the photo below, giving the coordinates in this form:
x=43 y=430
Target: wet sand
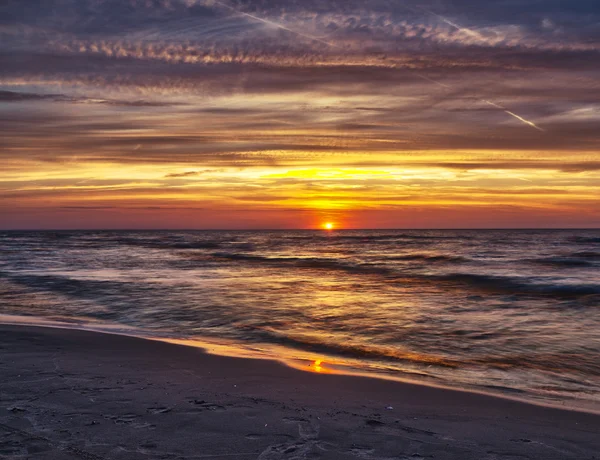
x=67 y=394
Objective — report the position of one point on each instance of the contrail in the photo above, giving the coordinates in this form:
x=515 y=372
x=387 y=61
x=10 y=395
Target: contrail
x=498 y=106
x=453 y=24
x=431 y=80
x=274 y=24
x=512 y=114
x=530 y=123
x=333 y=45
x=478 y=36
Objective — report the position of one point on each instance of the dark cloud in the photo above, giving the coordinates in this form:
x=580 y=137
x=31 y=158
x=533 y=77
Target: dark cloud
x=14 y=96
x=98 y=16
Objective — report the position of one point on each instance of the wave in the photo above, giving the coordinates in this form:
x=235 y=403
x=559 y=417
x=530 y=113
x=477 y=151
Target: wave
x=544 y=362
x=585 y=239
x=434 y=258
x=152 y=243
x=316 y=262
x=353 y=350
x=474 y=281
x=563 y=262
x=104 y=293
x=196 y=245
x=556 y=362
x=367 y=236
x=514 y=285
x=201 y=244
x=308 y=262
x=587 y=255
x=394 y=237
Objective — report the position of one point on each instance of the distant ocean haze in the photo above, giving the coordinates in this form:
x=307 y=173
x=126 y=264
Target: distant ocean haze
x=516 y=312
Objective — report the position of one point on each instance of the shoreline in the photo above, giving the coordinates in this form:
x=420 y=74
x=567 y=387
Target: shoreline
x=81 y=394
x=237 y=351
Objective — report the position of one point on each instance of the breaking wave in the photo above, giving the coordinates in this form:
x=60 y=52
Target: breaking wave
x=516 y=285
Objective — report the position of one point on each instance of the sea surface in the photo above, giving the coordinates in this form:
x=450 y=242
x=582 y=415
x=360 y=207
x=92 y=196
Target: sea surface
x=509 y=312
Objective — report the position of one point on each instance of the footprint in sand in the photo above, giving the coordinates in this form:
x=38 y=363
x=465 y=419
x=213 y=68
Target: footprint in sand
x=204 y=405
x=257 y=436
x=302 y=447
x=124 y=419
x=295 y=419
x=159 y=410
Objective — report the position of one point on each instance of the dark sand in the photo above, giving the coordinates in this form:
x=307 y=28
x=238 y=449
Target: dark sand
x=83 y=395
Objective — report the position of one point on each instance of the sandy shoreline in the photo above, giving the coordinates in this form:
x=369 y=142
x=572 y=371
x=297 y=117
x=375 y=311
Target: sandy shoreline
x=79 y=394
x=298 y=360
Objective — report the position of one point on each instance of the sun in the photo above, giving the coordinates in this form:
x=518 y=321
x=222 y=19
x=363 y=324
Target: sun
x=328 y=225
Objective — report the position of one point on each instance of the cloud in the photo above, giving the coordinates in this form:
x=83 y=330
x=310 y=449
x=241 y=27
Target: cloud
x=14 y=96
x=189 y=89
x=564 y=166
x=193 y=173
x=17 y=96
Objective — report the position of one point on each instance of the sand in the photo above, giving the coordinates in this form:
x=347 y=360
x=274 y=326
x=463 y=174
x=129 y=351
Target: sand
x=67 y=394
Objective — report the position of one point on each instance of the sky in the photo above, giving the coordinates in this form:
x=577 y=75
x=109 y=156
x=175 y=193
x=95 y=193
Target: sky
x=249 y=114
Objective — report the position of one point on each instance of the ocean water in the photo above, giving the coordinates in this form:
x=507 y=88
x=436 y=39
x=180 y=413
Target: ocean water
x=510 y=312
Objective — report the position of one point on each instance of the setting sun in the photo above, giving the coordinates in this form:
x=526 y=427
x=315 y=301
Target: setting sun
x=328 y=226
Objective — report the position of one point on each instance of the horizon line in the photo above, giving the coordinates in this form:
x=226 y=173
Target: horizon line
x=289 y=229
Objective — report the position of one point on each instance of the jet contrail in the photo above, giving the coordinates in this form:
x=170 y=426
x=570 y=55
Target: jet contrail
x=274 y=24
x=431 y=80
x=512 y=114
x=333 y=45
x=453 y=24
x=478 y=36
x=530 y=123
x=498 y=106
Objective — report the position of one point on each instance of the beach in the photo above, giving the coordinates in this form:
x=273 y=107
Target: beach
x=508 y=312
x=88 y=395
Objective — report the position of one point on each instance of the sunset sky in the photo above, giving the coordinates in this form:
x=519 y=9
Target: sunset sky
x=292 y=113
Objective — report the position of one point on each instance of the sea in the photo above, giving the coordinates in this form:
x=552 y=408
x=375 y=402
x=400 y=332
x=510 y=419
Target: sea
x=509 y=312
